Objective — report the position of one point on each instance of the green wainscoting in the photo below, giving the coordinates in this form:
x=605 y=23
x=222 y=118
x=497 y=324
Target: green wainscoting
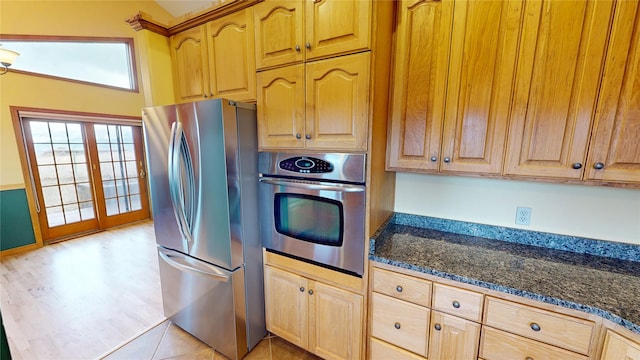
x=15 y=222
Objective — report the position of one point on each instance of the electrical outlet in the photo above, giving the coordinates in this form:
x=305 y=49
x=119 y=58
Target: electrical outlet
x=523 y=215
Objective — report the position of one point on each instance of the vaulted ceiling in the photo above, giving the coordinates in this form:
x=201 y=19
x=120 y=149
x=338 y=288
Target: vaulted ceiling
x=179 y=8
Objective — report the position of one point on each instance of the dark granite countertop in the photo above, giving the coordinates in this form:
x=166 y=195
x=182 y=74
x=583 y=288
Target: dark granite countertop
x=603 y=285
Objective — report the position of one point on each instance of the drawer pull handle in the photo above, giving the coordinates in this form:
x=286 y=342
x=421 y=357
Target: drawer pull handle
x=397 y=325
x=456 y=304
x=437 y=327
x=399 y=288
x=301 y=289
x=535 y=327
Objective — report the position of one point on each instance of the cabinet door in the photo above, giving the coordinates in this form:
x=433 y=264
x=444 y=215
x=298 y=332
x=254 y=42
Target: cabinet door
x=336 y=27
x=231 y=56
x=617 y=347
x=558 y=72
x=337 y=111
x=279 y=32
x=190 y=65
x=453 y=338
x=335 y=322
x=286 y=305
x=281 y=107
x=481 y=72
x=615 y=143
x=419 y=84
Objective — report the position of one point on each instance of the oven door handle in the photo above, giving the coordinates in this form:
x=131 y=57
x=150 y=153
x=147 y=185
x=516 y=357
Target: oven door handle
x=314 y=186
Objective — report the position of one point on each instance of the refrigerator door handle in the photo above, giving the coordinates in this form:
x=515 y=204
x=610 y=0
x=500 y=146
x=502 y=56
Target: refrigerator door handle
x=175 y=182
x=180 y=262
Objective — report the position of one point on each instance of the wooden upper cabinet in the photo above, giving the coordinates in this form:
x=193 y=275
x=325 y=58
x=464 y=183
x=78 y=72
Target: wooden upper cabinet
x=614 y=153
x=279 y=32
x=419 y=83
x=336 y=27
x=231 y=56
x=216 y=59
x=190 y=64
x=281 y=124
x=558 y=72
x=318 y=105
x=479 y=87
x=337 y=97
x=290 y=31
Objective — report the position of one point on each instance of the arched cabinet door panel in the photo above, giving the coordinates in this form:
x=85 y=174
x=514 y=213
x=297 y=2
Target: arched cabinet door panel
x=190 y=64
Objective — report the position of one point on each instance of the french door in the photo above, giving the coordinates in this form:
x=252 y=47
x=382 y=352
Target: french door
x=86 y=176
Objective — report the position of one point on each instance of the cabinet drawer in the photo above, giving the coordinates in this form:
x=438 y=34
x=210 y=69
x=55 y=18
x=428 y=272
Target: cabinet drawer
x=459 y=302
x=400 y=323
x=402 y=287
x=568 y=332
x=380 y=350
x=500 y=345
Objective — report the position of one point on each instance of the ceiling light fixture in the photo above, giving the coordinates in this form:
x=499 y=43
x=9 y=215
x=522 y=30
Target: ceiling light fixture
x=7 y=57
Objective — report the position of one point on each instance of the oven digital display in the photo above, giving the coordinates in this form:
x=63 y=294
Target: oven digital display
x=309 y=218
x=306 y=165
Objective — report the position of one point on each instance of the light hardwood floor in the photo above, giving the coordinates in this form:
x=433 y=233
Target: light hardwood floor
x=81 y=298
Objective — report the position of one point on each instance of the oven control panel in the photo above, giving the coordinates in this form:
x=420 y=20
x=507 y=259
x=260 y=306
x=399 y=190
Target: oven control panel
x=306 y=165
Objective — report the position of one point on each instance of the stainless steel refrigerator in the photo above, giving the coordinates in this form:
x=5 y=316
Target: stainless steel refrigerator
x=202 y=163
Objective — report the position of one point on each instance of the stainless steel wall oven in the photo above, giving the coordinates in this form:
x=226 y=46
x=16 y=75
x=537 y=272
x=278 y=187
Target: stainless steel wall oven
x=312 y=208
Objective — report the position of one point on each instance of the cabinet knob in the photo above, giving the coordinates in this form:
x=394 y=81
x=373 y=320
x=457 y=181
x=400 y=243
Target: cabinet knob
x=204 y=96
x=528 y=358
x=307 y=136
x=399 y=288
x=577 y=166
x=447 y=159
x=535 y=327
x=308 y=45
x=437 y=327
x=301 y=288
x=397 y=325
x=434 y=158
x=298 y=48
x=298 y=136
x=456 y=304
x=310 y=292
x=598 y=166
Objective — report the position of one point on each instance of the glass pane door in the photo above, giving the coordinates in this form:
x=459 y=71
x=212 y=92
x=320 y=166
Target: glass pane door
x=121 y=171
x=87 y=176
x=61 y=171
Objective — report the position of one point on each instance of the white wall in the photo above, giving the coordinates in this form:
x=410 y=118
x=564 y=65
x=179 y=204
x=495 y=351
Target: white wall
x=587 y=211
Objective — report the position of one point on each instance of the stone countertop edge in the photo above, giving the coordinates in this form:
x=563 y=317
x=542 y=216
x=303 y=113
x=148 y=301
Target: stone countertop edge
x=554 y=241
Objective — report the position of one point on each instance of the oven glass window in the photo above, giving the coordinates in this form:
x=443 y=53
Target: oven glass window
x=309 y=218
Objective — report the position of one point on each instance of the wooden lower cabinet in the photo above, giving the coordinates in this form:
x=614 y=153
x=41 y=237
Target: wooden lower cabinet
x=501 y=345
x=452 y=337
x=317 y=317
x=419 y=316
x=380 y=350
x=400 y=323
x=541 y=325
x=286 y=305
x=617 y=347
x=404 y=327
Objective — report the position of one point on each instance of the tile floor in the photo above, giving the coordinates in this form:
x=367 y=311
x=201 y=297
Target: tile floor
x=168 y=341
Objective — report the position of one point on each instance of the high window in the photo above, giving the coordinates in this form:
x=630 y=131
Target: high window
x=100 y=61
